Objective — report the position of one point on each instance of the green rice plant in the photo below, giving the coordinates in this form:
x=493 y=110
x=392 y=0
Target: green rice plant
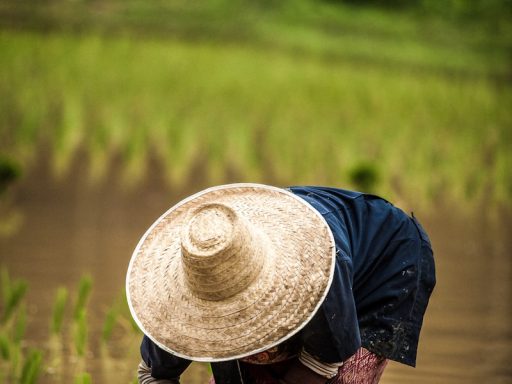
x=83 y=378
x=59 y=307
x=14 y=363
x=14 y=293
x=118 y=314
x=5 y=285
x=56 y=358
x=31 y=367
x=20 y=325
x=84 y=290
x=111 y=318
x=5 y=347
x=80 y=333
x=12 y=331
x=126 y=321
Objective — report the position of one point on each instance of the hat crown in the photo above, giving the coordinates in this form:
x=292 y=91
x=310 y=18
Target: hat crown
x=221 y=253
x=210 y=229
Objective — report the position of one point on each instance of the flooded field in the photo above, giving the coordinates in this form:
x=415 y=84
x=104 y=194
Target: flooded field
x=69 y=228
x=405 y=100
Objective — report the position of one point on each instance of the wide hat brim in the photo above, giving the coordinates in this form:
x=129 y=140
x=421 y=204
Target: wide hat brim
x=279 y=303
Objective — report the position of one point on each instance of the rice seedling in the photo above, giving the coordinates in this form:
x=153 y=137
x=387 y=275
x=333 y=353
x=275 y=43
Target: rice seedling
x=12 y=332
x=5 y=285
x=20 y=325
x=59 y=307
x=83 y=378
x=56 y=362
x=121 y=311
x=80 y=333
x=31 y=367
x=111 y=318
x=5 y=347
x=84 y=290
x=12 y=366
x=13 y=293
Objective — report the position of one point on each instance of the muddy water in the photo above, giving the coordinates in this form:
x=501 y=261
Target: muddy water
x=71 y=227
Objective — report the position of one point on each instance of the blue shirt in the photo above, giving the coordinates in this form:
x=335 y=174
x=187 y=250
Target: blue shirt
x=383 y=278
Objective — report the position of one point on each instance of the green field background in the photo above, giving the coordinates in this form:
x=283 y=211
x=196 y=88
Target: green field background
x=406 y=102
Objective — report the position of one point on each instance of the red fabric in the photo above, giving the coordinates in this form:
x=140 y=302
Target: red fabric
x=277 y=354
x=364 y=367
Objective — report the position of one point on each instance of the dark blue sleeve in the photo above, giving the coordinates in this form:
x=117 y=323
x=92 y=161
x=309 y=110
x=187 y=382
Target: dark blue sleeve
x=341 y=313
x=163 y=364
x=333 y=334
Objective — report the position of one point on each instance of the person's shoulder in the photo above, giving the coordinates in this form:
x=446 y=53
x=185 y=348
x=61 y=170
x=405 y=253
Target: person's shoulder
x=326 y=192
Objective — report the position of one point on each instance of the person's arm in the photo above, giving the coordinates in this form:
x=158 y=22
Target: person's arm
x=309 y=369
x=159 y=366
x=144 y=376
x=298 y=373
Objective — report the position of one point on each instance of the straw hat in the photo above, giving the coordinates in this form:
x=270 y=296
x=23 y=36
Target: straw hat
x=230 y=271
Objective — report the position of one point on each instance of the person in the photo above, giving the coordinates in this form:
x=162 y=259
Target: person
x=305 y=284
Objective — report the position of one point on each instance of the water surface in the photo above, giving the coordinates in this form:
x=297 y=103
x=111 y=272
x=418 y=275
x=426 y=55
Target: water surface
x=71 y=227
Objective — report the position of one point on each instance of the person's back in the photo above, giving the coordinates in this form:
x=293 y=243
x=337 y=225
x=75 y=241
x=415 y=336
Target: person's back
x=387 y=257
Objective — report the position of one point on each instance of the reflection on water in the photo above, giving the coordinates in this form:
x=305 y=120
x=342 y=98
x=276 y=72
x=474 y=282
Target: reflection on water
x=70 y=228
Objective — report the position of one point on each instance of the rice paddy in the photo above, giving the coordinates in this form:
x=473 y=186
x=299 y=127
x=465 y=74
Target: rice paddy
x=306 y=107
x=415 y=109
x=69 y=343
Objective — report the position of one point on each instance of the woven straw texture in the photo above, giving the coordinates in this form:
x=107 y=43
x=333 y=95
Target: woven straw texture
x=230 y=271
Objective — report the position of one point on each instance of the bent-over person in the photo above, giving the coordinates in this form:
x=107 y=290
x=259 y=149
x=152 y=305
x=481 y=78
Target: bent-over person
x=272 y=285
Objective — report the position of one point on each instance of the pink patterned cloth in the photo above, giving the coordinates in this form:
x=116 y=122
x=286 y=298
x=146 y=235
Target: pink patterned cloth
x=364 y=367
